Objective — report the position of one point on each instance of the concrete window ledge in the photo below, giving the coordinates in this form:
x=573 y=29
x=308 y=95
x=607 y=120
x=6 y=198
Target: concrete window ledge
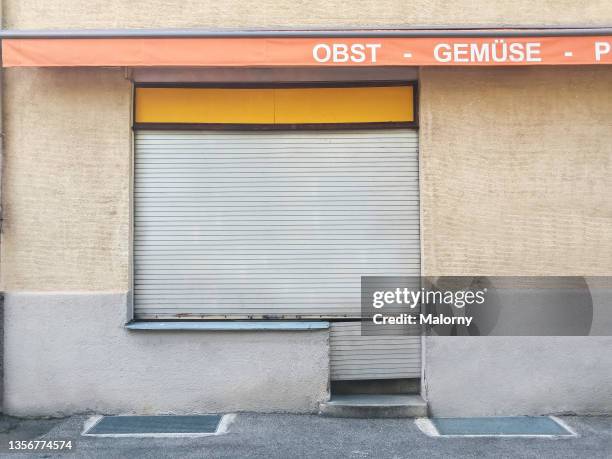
x=230 y=325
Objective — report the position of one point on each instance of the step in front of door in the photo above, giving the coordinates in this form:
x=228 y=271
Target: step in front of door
x=374 y=406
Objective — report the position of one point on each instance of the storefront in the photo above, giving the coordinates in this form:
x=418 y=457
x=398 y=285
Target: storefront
x=270 y=203
x=227 y=191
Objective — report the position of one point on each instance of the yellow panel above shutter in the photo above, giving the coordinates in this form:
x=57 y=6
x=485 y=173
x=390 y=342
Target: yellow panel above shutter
x=204 y=105
x=344 y=105
x=385 y=104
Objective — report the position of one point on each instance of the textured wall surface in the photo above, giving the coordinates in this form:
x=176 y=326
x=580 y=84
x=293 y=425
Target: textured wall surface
x=515 y=168
x=506 y=376
x=515 y=171
x=42 y=14
x=520 y=155
x=69 y=353
x=66 y=179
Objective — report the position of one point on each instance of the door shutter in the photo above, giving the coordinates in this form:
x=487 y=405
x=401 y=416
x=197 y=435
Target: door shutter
x=271 y=224
x=391 y=356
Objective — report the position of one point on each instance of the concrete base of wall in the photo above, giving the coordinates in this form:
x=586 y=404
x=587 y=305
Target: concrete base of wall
x=1 y=352
x=505 y=376
x=70 y=353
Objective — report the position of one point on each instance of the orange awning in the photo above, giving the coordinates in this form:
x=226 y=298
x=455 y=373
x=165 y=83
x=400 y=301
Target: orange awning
x=310 y=51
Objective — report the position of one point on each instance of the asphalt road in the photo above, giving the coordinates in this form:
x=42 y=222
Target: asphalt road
x=307 y=436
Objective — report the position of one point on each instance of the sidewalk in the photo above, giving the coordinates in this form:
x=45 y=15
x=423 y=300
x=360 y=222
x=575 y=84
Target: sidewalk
x=309 y=436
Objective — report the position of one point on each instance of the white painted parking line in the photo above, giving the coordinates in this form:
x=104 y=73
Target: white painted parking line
x=222 y=429
x=426 y=426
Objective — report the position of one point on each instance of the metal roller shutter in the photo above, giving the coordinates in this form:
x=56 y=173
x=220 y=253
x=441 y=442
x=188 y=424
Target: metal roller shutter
x=353 y=356
x=271 y=224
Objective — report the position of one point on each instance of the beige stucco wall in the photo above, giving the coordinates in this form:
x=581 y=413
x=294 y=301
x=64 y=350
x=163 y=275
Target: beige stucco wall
x=515 y=179
x=515 y=164
x=66 y=179
x=516 y=168
x=41 y=14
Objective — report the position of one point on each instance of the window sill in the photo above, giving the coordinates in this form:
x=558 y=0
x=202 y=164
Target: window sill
x=229 y=326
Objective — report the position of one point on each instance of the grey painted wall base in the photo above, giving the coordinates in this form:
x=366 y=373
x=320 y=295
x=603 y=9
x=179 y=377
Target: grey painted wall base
x=71 y=353
x=506 y=376
x=2 y=352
